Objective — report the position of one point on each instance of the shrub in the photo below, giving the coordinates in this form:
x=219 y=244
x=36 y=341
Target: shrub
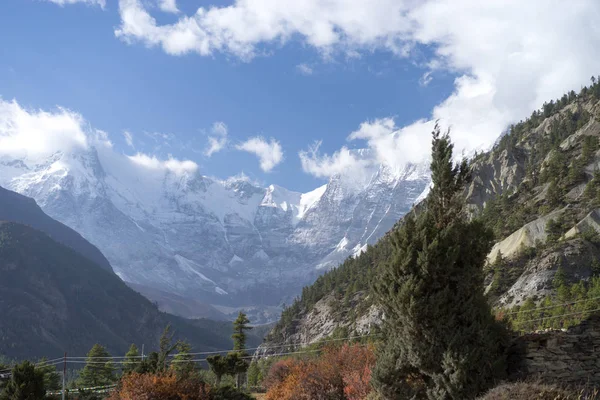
x=340 y=373
x=165 y=386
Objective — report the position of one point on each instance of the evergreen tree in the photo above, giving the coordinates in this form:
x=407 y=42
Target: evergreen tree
x=99 y=369
x=132 y=359
x=219 y=366
x=26 y=383
x=182 y=363
x=442 y=341
x=52 y=379
x=553 y=194
x=166 y=347
x=240 y=326
x=236 y=363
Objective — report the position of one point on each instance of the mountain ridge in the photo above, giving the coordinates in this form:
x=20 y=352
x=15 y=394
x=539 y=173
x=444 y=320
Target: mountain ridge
x=219 y=242
x=537 y=189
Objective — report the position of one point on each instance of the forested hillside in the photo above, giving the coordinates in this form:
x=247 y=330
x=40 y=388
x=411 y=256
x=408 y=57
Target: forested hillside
x=52 y=299
x=538 y=190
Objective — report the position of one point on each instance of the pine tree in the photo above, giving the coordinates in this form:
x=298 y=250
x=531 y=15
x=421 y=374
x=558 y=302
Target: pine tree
x=26 y=383
x=219 y=366
x=442 y=341
x=51 y=376
x=237 y=364
x=166 y=347
x=182 y=363
x=132 y=359
x=99 y=369
x=240 y=326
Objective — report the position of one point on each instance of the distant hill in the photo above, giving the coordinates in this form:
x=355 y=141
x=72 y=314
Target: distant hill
x=53 y=299
x=24 y=210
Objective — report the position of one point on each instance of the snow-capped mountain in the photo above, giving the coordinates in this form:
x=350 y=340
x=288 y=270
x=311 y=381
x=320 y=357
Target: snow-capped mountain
x=229 y=243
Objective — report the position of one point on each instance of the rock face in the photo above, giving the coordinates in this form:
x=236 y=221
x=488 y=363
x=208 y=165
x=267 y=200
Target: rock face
x=568 y=357
x=230 y=243
x=321 y=322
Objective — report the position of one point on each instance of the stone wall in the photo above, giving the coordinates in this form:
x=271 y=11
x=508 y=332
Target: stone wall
x=566 y=357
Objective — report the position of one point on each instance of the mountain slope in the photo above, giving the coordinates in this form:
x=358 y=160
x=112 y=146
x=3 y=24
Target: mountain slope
x=52 y=299
x=538 y=189
x=223 y=242
x=24 y=210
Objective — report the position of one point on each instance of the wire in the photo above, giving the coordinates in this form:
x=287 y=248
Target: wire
x=277 y=347
x=195 y=360
x=125 y=359
x=555 y=306
x=557 y=316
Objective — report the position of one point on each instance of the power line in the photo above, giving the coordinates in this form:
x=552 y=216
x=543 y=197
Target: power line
x=277 y=347
x=199 y=359
x=555 y=306
x=557 y=316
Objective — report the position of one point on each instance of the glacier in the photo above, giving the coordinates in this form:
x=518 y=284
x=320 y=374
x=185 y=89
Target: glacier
x=230 y=243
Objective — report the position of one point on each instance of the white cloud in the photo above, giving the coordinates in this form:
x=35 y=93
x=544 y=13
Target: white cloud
x=218 y=139
x=169 y=6
x=34 y=135
x=509 y=57
x=30 y=134
x=342 y=162
x=241 y=27
x=304 y=69
x=128 y=138
x=269 y=153
x=62 y=3
x=171 y=164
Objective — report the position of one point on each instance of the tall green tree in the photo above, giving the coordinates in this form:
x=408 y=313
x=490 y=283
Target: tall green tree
x=132 y=359
x=219 y=366
x=442 y=341
x=99 y=369
x=182 y=362
x=166 y=347
x=26 y=383
x=52 y=379
x=240 y=326
x=238 y=365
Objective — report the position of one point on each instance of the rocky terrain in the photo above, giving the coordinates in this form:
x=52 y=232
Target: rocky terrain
x=538 y=189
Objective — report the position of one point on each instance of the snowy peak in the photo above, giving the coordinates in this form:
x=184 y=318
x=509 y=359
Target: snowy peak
x=163 y=225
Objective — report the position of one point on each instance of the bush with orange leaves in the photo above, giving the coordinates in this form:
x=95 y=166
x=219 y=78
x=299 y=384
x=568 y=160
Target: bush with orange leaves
x=167 y=386
x=340 y=373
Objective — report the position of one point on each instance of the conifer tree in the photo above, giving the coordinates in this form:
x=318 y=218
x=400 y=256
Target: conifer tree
x=99 y=369
x=240 y=326
x=235 y=359
x=442 y=341
x=182 y=362
x=51 y=376
x=26 y=383
x=166 y=347
x=132 y=359
x=219 y=366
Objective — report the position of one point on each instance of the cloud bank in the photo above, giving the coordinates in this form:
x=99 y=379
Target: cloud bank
x=269 y=153
x=34 y=135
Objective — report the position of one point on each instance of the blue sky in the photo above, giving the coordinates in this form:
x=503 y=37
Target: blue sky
x=69 y=55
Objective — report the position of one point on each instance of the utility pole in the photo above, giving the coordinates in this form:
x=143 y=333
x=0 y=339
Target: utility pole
x=142 y=352
x=64 y=375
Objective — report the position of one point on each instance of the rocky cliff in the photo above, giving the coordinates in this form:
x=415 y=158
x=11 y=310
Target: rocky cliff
x=538 y=190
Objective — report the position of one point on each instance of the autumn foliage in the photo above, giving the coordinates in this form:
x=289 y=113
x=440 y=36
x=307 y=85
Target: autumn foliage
x=340 y=373
x=167 y=386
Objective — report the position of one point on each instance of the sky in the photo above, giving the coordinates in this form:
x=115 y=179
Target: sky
x=283 y=90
